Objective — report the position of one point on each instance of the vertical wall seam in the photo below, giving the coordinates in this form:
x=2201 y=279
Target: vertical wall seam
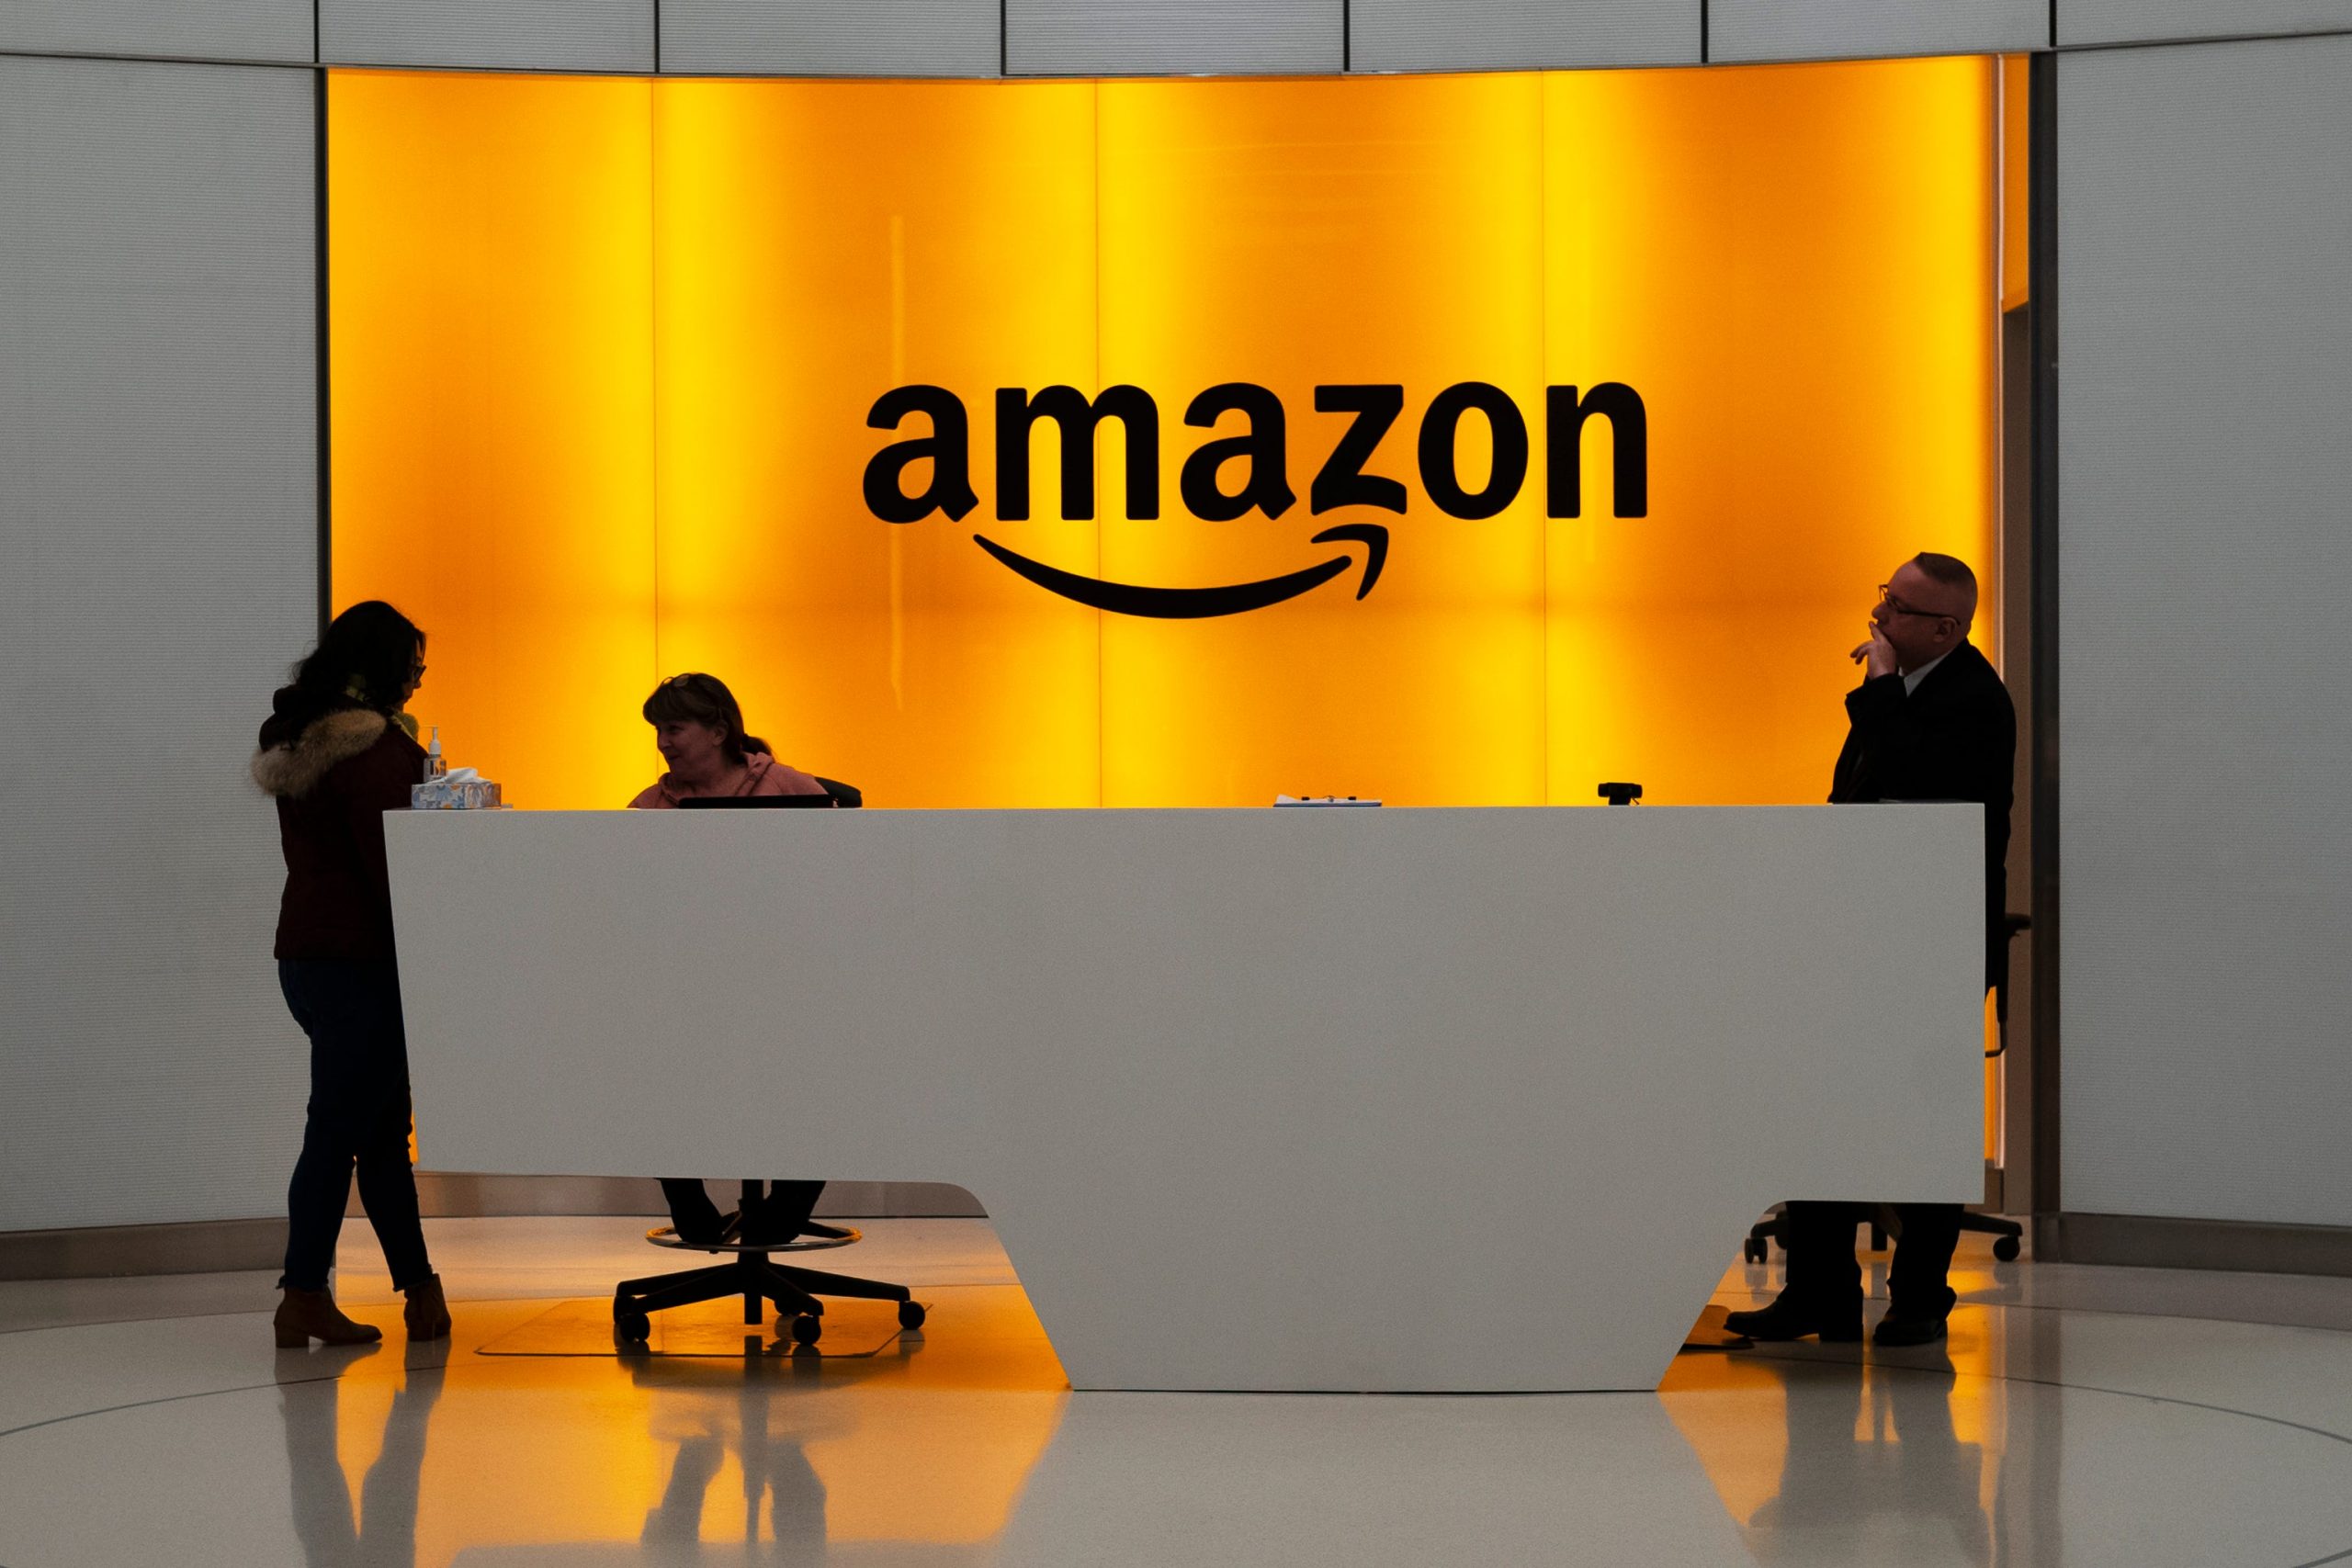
x=1102 y=668
x=653 y=336
x=653 y=349
x=1996 y=199
x=322 y=476
x=1543 y=381
x=2042 y=242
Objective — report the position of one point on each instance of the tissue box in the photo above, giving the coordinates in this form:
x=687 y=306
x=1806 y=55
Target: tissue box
x=454 y=795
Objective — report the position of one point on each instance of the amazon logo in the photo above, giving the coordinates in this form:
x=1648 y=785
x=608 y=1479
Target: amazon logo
x=1230 y=476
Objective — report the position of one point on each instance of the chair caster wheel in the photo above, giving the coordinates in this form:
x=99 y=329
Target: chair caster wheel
x=633 y=1326
x=911 y=1314
x=805 y=1330
x=1756 y=1251
x=2006 y=1248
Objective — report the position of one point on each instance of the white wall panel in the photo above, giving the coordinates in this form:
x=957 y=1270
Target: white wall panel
x=1479 y=34
x=158 y=569
x=2205 y=308
x=514 y=34
x=210 y=29
x=2134 y=21
x=1828 y=29
x=1112 y=37
x=788 y=37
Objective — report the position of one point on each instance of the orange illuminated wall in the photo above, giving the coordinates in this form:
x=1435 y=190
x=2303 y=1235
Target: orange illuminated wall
x=603 y=353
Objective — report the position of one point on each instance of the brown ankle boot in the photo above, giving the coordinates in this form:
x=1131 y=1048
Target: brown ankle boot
x=427 y=1313
x=305 y=1315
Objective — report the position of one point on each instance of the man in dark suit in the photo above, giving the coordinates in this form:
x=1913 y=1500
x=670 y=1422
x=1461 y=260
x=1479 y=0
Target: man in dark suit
x=1930 y=721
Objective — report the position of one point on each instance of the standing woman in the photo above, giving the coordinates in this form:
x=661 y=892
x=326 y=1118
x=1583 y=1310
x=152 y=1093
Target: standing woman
x=338 y=752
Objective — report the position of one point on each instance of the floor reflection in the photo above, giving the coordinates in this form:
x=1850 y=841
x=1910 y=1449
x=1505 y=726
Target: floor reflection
x=2038 y=1438
x=1853 y=1455
x=381 y=1533
x=1875 y=1455
x=782 y=1497
x=912 y=1454
x=1366 y=1478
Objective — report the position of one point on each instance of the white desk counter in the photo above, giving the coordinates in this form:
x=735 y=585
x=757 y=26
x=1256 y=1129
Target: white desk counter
x=1392 y=1099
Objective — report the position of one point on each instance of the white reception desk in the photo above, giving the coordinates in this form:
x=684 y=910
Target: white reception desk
x=1275 y=1100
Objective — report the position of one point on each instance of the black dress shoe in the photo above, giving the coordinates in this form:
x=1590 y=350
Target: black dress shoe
x=1896 y=1329
x=1786 y=1319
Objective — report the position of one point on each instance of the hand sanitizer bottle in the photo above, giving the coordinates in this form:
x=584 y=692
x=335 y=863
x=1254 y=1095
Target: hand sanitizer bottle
x=435 y=765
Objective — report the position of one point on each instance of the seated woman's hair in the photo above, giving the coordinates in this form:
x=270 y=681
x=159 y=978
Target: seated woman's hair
x=368 y=653
x=703 y=699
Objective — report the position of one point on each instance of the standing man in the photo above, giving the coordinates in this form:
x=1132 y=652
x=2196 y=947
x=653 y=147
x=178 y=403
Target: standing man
x=1930 y=721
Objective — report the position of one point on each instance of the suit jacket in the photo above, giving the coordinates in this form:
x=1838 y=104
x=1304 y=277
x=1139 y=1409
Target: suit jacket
x=1954 y=738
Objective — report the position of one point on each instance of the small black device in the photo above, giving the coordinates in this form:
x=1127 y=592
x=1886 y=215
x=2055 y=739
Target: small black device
x=758 y=803
x=1621 y=793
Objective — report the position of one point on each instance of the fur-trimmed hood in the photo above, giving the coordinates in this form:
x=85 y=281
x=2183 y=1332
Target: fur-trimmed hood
x=293 y=770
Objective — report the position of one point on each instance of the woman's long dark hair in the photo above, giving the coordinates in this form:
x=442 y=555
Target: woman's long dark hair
x=367 y=655
x=704 y=699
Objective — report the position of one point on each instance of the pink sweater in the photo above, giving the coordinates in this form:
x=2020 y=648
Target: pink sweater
x=766 y=776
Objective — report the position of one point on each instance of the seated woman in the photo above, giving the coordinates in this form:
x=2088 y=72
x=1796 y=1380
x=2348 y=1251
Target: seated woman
x=698 y=726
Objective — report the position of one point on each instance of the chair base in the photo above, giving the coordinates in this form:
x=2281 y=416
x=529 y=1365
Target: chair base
x=758 y=1281
x=2007 y=1235
x=2007 y=1243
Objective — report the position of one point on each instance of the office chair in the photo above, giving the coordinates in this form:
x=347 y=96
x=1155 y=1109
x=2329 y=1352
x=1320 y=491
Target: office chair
x=750 y=1274
x=2008 y=1234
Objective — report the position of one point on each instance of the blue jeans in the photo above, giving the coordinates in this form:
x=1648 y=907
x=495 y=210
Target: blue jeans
x=359 y=1118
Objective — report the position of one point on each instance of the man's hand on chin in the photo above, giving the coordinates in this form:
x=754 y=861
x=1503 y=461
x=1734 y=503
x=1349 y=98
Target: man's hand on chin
x=1877 y=655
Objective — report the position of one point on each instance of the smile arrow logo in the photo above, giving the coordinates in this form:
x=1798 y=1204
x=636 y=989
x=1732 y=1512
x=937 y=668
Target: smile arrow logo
x=1199 y=603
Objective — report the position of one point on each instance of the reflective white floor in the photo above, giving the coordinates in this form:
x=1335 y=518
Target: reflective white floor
x=2136 y=1418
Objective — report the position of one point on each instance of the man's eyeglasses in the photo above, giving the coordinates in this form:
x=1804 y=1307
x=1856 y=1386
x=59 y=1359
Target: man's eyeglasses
x=1887 y=598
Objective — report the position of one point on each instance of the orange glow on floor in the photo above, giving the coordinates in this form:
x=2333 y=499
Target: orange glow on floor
x=916 y=1447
